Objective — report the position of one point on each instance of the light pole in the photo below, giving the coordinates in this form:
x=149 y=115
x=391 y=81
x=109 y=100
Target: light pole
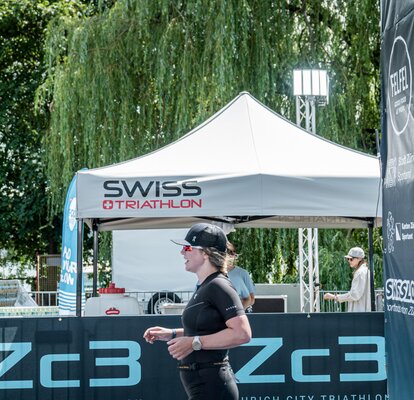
x=310 y=87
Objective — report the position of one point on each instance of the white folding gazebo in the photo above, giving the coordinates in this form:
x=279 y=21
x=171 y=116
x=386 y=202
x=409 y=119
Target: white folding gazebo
x=245 y=166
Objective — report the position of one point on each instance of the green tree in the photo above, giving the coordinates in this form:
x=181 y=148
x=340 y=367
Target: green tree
x=25 y=224
x=140 y=74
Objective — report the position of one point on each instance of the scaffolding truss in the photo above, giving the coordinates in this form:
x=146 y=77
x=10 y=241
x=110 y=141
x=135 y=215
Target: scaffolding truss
x=309 y=270
x=308 y=237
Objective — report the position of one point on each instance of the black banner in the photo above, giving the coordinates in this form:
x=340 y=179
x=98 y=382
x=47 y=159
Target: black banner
x=397 y=56
x=291 y=357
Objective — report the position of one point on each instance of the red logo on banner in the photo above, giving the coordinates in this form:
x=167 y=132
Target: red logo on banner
x=112 y=311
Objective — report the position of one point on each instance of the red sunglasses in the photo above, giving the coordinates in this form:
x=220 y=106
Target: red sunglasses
x=190 y=248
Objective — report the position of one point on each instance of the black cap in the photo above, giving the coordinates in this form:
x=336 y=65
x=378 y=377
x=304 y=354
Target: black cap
x=204 y=235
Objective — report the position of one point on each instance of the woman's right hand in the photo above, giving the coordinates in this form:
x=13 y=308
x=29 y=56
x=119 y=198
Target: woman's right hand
x=157 y=333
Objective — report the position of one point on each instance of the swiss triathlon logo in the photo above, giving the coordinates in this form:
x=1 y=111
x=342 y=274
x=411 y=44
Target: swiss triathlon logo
x=390 y=232
x=399 y=85
x=153 y=194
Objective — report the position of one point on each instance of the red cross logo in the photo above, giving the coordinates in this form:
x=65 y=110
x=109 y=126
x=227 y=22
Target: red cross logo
x=107 y=204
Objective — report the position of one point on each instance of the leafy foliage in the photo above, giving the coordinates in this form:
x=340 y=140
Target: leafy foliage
x=24 y=219
x=140 y=74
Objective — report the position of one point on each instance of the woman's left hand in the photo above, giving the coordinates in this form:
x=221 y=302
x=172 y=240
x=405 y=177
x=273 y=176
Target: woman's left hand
x=180 y=347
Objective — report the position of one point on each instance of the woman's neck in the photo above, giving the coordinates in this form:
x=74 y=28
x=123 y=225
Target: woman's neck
x=205 y=272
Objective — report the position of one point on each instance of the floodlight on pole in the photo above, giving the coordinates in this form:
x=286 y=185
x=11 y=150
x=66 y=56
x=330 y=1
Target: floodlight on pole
x=311 y=82
x=310 y=86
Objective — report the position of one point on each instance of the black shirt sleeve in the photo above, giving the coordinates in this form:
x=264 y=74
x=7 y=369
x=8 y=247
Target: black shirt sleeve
x=225 y=298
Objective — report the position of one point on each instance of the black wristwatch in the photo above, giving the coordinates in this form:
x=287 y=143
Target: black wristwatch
x=196 y=345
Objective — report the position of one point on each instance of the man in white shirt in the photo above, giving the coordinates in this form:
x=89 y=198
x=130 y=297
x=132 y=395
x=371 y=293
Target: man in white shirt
x=359 y=296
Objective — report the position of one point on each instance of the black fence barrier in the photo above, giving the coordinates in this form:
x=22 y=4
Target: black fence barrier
x=291 y=357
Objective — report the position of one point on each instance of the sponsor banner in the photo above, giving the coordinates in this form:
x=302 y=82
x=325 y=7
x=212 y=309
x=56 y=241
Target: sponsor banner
x=68 y=273
x=165 y=196
x=397 y=57
x=122 y=194
x=291 y=357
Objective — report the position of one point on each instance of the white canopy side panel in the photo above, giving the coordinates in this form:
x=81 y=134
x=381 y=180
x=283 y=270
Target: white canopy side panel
x=147 y=260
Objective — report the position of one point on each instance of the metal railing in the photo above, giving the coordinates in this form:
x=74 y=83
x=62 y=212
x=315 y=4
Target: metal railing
x=151 y=301
x=334 y=306
x=45 y=298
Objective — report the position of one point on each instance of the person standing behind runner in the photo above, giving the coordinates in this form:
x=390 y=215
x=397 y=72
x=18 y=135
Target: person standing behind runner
x=214 y=320
x=240 y=278
x=359 y=296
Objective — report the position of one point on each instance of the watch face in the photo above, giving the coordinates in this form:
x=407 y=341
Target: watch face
x=196 y=343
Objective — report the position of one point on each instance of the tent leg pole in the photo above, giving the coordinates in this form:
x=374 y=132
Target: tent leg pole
x=371 y=262
x=79 y=270
x=95 y=258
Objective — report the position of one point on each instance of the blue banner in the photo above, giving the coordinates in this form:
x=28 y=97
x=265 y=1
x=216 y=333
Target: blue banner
x=397 y=153
x=322 y=356
x=68 y=274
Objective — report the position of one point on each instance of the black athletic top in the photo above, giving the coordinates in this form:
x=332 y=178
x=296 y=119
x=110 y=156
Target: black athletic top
x=213 y=303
